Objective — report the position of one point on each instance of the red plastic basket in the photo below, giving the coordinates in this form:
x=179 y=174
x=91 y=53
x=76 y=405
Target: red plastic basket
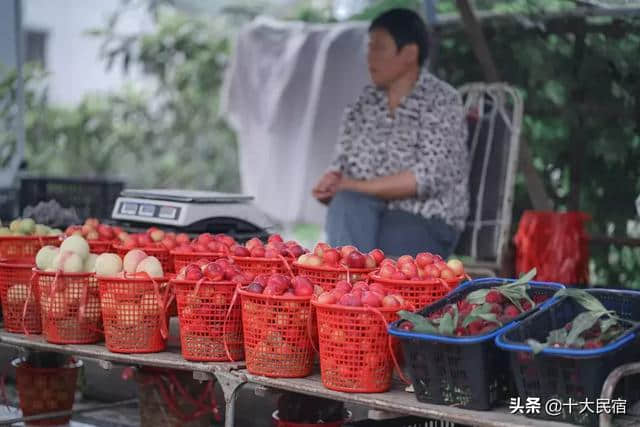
x=180 y=259
x=16 y=287
x=24 y=248
x=163 y=255
x=418 y=293
x=100 y=246
x=256 y=266
x=205 y=328
x=355 y=353
x=134 y=313
x=276 y=335
x=70 y=307
x=326 y=277
x=43 y=390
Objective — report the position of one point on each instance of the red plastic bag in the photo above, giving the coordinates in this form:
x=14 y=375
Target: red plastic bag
x=556 y=243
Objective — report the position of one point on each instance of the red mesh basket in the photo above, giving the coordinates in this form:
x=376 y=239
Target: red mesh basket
x=100 y=246
x=134 y=313
x=70 y=307
x=256 y=266
x=355 y=351
x=163 y=255
x=16 y=287
x=418 y=293
x=326 y=277
x=43 y=390
x=180 y=259
x=204 y=326
x=24 y=248
x=276 y=335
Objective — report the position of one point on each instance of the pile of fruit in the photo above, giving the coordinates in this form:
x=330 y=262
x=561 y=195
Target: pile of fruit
x=591 y=329
x=213 y=271
x=28 y=227
x=136 y=263
x=341 y=257
x=361 y=294
x=480 y=312
x=205 y=243
x=73 y=256
x=275 y=248
x=151 y=239
x=425 y=266
x=93 y=230
x=281 y=285
x=254 y=248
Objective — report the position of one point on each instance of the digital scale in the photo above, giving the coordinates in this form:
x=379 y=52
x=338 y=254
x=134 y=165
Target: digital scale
x=190 y=211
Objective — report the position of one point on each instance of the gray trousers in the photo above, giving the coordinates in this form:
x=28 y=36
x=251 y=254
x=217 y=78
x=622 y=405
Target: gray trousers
x=365 y=222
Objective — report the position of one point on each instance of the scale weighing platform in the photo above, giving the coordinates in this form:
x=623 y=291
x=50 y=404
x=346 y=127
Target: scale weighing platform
x=192 y=211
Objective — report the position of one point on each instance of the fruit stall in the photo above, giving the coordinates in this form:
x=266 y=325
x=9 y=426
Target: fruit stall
x=406 y=336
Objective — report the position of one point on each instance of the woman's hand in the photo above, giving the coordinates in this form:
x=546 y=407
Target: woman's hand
x=327 y=186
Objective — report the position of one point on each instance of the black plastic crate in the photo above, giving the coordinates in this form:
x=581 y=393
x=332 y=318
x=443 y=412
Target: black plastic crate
x=469 y=372
x=8 y=204
x=91 y=197
x=558 y=373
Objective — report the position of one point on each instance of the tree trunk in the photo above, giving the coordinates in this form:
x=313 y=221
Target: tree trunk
x=577 y=125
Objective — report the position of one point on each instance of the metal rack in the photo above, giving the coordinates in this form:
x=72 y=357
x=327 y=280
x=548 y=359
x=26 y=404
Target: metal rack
x=232 y=376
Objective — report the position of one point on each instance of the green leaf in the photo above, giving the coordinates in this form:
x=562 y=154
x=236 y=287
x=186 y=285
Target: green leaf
x=420 y=324
x=456 y=316
x=557 y=336
x=583 y=298
x=581 y=323
x=446 y=326
x=489 y=317
x=536 y=346
x=525 y=278
x=515 y=294
x=611 y=334
x=607 y=323
x=476 y=314
x=478 y=297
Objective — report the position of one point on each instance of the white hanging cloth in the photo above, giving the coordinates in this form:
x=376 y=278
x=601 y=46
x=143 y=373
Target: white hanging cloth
x=284 y=94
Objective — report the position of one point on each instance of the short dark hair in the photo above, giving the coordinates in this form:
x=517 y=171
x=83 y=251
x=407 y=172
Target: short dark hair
x=406 y=27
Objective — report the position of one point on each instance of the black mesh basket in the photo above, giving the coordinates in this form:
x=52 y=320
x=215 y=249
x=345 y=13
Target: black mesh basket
x=469 y=372
x=91 y=197
x=563 y=374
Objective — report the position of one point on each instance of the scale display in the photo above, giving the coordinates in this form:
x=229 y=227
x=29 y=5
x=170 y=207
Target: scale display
x=128 y=208
x=148 y=210
x=168 y=212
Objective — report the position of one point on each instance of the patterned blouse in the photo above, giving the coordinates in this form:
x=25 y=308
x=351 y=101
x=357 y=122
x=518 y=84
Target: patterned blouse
x=426 y=135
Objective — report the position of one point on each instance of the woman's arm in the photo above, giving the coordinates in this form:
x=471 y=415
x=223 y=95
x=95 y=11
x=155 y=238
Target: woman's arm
x=399 y=186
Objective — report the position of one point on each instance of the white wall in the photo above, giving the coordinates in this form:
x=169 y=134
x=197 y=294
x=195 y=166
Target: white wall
x=72 y=57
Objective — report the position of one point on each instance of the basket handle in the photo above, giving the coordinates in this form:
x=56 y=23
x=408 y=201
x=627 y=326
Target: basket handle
x=309 y=326
x=34 y=275
x=224 y=324
x=196 y=289
x=164 y=328
x=446 y=285
x=286 y=265
x=390 y=345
